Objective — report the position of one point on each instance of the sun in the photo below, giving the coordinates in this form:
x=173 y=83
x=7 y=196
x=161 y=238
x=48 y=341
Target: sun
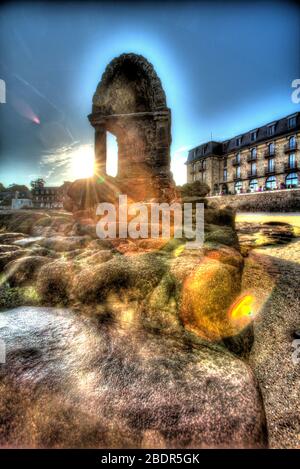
x=82 y=162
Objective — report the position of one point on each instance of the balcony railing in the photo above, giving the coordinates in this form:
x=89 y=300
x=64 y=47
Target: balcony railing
x=291 y=166
x=237 y=178
x=251 y=158
x=236 y=162
x=201 y=169
x=269 y=171
x=270 y=153
x=252 y=173
x=290 y=147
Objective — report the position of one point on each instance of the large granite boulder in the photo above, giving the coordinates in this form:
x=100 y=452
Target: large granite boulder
x=71 y=381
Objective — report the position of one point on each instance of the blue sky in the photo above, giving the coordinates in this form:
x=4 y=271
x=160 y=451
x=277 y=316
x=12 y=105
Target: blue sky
x=225 y=67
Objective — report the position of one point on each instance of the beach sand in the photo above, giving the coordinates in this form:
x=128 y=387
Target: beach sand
x=272 y=274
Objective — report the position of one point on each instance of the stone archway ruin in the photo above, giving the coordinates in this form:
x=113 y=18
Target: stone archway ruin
x=130 y=103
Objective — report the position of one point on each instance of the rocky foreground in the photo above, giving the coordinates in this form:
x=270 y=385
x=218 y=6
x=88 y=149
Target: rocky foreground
x=128 y=344
x=82 y=382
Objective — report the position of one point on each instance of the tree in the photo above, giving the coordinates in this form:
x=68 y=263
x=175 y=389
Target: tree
x=37 y=184
x=2 y=188
x=17 y=187
x=22 y=190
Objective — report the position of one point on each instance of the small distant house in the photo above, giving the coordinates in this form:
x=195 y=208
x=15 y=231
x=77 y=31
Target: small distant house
x=21 y=203
x=15 y=197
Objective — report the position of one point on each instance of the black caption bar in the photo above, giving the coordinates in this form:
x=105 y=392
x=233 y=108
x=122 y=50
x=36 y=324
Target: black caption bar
x=147 y=458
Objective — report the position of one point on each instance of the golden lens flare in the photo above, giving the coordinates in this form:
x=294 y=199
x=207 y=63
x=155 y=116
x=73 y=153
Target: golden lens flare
x=179 y=250
x=243 y=308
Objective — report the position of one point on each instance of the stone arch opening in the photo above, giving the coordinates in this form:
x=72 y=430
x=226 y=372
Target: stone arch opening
x=112 y=155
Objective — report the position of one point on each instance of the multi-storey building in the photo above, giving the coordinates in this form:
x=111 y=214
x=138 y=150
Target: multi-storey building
x=49 y=197
x=265 y=158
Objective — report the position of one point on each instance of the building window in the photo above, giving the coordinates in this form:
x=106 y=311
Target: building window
x=291 y=180
x=225 y=174
x=225 y=163
x=253 y=153
x=253 y=185
x=238 y=172
x=292 y=160
x=238 y=141
x=238 y=158
x=271 y=165
x=253 y=135
x=271 y=182
x=292 y=122
x=272 y=148
x=271 y=130
x=238 y=187
x=292 y=142
x=193 y=172
x=253 y=169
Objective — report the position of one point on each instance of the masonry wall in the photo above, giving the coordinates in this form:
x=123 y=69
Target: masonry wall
x=287 y=200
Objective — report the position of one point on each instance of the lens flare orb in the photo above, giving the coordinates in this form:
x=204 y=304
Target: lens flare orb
x=243 y=308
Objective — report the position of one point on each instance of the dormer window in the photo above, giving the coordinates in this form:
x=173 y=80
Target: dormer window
x=238 y=141
x=271 y=129
x=253 y=135
x=292 y=121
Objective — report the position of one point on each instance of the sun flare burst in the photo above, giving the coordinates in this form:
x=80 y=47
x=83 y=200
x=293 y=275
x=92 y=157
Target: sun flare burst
x=82 y=162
